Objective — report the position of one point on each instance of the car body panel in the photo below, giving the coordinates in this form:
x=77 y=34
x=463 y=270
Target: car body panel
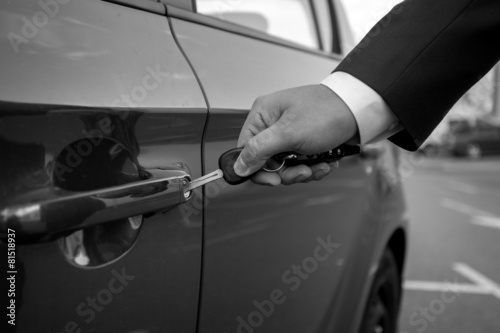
x=66 y=85
x=80 y=45
x=231 y=80
x=115 y=78
x=255 y=235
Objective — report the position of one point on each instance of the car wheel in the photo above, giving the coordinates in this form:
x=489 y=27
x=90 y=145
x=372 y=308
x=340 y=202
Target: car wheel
x=382 y=309
x=473 y=151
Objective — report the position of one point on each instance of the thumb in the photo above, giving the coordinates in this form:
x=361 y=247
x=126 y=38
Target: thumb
x=258 y=150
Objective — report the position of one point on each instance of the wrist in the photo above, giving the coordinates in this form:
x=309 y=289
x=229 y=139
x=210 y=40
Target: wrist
x=346 y=124
x=372 y=115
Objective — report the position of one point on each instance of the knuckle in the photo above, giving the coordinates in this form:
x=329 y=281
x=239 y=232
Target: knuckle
x=259 y=101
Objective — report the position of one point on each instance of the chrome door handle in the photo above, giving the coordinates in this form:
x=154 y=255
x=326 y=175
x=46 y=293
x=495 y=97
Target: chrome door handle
x=44 y=213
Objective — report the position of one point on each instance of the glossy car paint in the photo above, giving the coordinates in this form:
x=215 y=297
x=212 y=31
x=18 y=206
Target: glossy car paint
x=105 y=74
x=92 y=53
x=255 y=235
x=73 y=76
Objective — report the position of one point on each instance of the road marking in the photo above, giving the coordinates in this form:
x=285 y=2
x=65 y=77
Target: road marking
x=463 y=208
x=466 y=288
x=462 y=187
x=478 y=216
x=478 y=278
x=478 y=166
x=481 y=286
x=487 y=221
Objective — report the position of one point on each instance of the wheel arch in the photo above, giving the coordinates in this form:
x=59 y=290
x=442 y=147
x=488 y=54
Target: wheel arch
x=397 y=245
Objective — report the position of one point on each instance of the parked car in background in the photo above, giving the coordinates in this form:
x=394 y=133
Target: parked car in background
x=109 y=108
x=474 y=139
x=437 y=143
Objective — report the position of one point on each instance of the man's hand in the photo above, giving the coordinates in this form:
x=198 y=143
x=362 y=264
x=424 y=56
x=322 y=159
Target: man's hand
x=307 y=120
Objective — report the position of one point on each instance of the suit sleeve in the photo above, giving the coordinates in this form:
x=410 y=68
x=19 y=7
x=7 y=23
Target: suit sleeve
x=423 y=56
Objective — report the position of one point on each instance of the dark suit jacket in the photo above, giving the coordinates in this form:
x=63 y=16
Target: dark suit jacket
x=423 y=56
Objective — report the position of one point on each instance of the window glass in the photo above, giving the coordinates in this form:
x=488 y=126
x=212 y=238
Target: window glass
x=288 y=19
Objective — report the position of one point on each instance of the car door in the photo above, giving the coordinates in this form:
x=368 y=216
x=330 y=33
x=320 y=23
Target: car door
x=288 y=259
x=101 y=120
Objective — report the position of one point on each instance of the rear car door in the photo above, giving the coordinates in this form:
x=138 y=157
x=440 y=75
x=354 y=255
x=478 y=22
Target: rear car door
x=101 y=119
x=288 y=259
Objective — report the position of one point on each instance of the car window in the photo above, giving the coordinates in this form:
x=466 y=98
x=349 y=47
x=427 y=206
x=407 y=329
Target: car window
x=292 y=20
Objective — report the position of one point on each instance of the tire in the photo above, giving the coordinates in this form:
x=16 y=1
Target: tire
x=382 y=309
x=473 y=151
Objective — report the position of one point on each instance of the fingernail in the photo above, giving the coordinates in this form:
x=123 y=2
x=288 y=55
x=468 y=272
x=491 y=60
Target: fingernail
x=334 y=164
x=240 y=168
x=321 y=173
x=325 y=168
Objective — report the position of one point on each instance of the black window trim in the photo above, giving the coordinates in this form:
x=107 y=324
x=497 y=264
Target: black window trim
x=145 y=5
x=316 y=24
x=336 y=45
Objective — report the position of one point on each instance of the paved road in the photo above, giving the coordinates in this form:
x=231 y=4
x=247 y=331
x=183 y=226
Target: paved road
x=453 y=265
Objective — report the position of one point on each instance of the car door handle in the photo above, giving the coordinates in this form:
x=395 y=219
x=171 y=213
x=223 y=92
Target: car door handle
x=42 y=214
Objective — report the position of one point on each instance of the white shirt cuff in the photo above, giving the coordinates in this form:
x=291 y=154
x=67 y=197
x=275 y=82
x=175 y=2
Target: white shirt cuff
x=373 y=116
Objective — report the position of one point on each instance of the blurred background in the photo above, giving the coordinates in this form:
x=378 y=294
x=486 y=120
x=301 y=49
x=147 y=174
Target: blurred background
x=453 y=191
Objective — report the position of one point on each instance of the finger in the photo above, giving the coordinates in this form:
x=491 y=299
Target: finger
x=295 y=174
x=251 y=128
x=265 y=112
x=258 y=150
x=266 y=178
x=335 y=164
x=292 y=175
x=299 y=174
x=320 y=171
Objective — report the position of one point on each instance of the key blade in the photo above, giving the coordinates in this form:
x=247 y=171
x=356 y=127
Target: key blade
x=210 y=177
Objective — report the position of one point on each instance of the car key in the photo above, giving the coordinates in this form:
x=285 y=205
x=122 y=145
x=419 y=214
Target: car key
x=227 y=160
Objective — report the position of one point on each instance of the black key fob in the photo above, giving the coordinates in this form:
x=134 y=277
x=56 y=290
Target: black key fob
x=226 y=164
x=227 y=160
